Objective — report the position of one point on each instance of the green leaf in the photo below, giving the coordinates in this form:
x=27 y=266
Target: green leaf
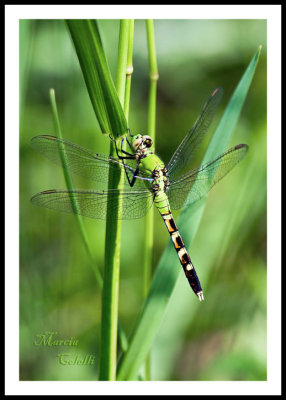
x=168 y=270
x=100 y=86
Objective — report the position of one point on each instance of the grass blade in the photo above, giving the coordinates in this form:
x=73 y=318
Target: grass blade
x=99 y=83
x=168 y=269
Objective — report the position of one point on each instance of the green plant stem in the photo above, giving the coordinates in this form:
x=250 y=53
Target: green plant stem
x=110 y=293
x=122 y=59
x=129 y=71
x=129 y=68
x=149 y=219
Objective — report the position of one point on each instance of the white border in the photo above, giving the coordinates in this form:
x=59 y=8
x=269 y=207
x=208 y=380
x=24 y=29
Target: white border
x=143 y=11
x=273 y=15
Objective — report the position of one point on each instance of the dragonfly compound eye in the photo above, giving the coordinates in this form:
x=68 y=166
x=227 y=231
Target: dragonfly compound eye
x=147 y=141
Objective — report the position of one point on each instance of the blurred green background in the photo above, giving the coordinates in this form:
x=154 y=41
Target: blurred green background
x=223 y=338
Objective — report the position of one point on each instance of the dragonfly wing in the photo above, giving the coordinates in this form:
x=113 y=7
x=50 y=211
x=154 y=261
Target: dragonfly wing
x=191 y=141
x=196 y=184
x=86 y=163
x=96 y=204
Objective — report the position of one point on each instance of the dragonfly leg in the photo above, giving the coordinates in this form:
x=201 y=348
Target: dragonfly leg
x=128 y=143
x=129 y=157
x=123 y=151
x=134 y=177
x=129 y=132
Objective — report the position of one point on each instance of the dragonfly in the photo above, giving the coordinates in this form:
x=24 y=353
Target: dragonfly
x=146 y=179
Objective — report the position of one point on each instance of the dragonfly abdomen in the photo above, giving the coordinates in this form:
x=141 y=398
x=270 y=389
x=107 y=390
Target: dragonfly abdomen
x=183 y=255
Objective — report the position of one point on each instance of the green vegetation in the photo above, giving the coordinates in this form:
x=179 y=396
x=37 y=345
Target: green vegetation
x=224 y=338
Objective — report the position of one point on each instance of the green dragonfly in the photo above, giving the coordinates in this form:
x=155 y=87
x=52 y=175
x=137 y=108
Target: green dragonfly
x=147 y=179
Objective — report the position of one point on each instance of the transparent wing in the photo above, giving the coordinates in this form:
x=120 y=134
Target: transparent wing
x=133 y=204
x=83 y=162
x=195 y=184
x=191 y=141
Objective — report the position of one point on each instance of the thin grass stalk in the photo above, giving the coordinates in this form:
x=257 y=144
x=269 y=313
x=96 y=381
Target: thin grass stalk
x=108 y=356
x=69 y=184
x=149 y=220
x=129 y=69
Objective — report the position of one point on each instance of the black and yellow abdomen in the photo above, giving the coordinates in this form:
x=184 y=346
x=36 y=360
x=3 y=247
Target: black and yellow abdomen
x=183 y=255
x=160 y=182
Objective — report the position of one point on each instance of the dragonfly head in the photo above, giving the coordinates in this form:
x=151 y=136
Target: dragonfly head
x=141 y=142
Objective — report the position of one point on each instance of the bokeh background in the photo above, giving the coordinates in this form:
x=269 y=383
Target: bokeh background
x=225 y=337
